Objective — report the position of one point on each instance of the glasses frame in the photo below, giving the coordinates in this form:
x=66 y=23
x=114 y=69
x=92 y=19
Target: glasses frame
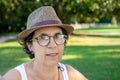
x=37 y=38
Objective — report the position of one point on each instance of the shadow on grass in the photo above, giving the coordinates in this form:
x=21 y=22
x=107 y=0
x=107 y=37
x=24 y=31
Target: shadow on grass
x=11 y=57
x=95 y=62
x=97 y=69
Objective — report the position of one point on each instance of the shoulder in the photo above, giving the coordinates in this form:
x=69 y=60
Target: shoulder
x=13 y=74
x=74 y=74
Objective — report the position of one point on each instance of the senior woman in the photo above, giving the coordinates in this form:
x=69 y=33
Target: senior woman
x=44 y=41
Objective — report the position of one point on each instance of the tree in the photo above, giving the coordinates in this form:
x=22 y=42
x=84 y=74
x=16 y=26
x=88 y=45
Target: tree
x=14 y=13
x=110 y=9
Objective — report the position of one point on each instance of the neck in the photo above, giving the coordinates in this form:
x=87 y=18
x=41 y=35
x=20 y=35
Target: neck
x=45 y=72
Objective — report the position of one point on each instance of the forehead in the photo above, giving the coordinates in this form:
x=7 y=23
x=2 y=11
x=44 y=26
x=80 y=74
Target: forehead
x=48 y=30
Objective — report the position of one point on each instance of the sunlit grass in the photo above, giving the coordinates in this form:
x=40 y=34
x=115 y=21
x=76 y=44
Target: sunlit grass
x=11 y=54
x=68 y=57
x=98 y=29
x=92 y=41
x=96 y=57
x=10 y=44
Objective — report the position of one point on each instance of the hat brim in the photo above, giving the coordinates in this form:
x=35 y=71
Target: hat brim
x=22 y=35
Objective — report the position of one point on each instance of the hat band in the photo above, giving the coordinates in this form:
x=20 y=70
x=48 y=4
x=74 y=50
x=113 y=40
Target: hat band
x=47 y=22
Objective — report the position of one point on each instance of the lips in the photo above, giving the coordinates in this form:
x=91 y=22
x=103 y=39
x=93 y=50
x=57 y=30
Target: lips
x=52 y=54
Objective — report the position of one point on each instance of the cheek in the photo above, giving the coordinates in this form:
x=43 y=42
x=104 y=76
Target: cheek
x=61 y=49
x=38 y=50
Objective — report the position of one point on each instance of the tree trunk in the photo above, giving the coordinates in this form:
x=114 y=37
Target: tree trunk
x=114 y=20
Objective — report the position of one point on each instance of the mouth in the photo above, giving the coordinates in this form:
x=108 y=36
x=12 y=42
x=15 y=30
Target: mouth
x=52 y=54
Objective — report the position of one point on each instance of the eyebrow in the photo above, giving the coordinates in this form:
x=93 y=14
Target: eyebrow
x=49 y=35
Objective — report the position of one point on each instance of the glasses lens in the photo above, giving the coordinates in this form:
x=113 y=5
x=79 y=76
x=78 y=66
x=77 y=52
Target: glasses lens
x=60 y=38
x=43 y=39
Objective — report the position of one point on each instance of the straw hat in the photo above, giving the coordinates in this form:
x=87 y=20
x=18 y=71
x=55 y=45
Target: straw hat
x=43 y=17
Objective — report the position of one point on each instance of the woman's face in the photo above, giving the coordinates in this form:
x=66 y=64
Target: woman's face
x=50 y=54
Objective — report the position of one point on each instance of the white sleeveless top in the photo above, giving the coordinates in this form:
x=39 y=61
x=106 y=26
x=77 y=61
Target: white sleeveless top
x=22 y=71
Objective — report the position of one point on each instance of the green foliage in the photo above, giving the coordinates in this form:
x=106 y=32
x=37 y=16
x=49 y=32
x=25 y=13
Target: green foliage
x=14 y=13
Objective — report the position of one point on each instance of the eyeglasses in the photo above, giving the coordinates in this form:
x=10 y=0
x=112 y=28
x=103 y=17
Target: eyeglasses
x=44 y=39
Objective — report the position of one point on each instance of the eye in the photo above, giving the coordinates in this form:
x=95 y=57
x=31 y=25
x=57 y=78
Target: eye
x=59 y=35
x=44 y=37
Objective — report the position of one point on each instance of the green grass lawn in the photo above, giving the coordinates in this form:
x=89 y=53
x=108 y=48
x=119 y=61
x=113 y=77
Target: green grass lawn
x=98 y=29
x=98 y=58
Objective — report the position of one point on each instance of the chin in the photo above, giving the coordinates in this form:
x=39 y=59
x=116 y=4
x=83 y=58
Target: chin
x=52 y=63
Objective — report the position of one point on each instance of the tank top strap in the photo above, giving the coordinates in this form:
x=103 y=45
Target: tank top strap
x=22 y=71
x=64 y=71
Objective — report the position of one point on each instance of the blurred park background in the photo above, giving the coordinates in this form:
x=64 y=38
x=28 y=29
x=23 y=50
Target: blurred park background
x=93 y=48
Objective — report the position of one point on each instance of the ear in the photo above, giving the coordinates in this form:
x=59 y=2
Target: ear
x=30 y=47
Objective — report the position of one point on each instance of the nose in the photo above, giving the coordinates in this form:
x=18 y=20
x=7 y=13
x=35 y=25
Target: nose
x=52 y=43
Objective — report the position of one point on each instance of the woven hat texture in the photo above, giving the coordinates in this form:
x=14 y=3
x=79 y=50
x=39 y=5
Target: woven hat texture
x=43 y=17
